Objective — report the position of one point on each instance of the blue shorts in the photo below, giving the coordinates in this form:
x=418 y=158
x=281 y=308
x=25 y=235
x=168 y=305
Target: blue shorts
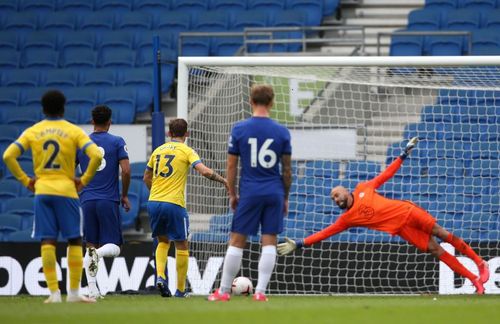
x=54 y=214
x=268 y=211
x=168 y=220
x=102 y=222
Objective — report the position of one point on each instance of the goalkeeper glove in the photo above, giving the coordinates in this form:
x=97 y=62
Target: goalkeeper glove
x=411 y=144
x=289 y=246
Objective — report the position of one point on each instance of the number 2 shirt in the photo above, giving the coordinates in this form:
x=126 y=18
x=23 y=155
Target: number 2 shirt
x=170 y=164
x=260 y=142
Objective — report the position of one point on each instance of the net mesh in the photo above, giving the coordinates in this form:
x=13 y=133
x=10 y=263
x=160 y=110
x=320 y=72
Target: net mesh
x=347 y=124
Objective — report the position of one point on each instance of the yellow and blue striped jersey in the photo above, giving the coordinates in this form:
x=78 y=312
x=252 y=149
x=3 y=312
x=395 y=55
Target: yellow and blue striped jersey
x=54 y=143
x=170 y=164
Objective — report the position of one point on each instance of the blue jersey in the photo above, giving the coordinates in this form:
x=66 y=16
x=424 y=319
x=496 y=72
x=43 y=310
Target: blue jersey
x=260 y=142
x=104 y=185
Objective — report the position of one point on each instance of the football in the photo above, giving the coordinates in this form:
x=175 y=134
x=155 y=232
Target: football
x=242 y=286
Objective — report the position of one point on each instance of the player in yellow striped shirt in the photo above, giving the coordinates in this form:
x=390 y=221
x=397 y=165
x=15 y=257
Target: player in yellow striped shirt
x=166 y=176
x=54 y=142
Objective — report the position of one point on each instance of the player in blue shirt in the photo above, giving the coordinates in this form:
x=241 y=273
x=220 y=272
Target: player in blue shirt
x=101 y=198
x=261 y=144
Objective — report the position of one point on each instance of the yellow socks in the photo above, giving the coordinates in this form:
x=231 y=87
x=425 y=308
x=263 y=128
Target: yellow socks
x=48 y=252
x=75 y=265
x=182 y=261
x=161 y=256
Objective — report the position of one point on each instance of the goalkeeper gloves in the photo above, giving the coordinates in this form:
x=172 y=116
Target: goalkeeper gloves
x=289 y=246
x=411 y=144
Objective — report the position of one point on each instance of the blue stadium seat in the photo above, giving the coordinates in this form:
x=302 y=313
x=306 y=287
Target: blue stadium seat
x=106 y=77
x=270 y=6
x=446 y=168
x=20 y=236
x=492 y=19
x=444 y=45
x=195 y=46
x=141 y=80
x=190 y=5
x=440 y=114
x=38 y=6
x=477 y=114
x=325 y=169
x=210 y=237
x=78 y=58
x=428 y=131
x=478 y=186
x=23 y=116
x=490 y=204
x=32 y=97
x=122 y=100
x=9 y=188
x=462 y=132
x=151 y=5
x=485 y=168
x=81 y=96
x=113 y=5
x=9 y=6
x=479 y=4
x=406 y=45
x=362 y=170
x=233 y=6
x=226 y=46
x=40 y=58
x=9 y=59
x=212 y=21
x=289 y=18
x=21 y=78
x=145 y=57
x=5 y=232
x=485 y=150
x=19 y=206
x=8 y=134
x=441 y=4
x=117 y=58
x=72 y=114
x=251 y=18
x=9 y=40
x=144 y=40
x=129 y=218
x=60 y=78
x=137 y=170
x=77 y=6
x=21 y=21
x=115 y=40
x=144 y=197
x=424 y=19
x=9 y=97
x=58 y=22
x=97 y=22
x=79 y=40
x=463 y=19
x=134 y=21
x=11 y=220
x=220 y=223
x=313 y=9
x=40 y=40
x=489 y=132
x=172 y=21
x=330 y=7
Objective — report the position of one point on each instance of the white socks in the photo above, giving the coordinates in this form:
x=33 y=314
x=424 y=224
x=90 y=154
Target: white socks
x=90 y=280
x=232 y=263
x=108 y=250
x=266 y=266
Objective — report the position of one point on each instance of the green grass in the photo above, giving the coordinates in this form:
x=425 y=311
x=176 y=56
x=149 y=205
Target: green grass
x=279 y=309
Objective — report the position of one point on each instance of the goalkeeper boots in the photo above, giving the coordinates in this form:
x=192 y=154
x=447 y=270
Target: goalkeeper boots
x=258 y=296
x=484 y=271
x=162 y=285
x=181 y=294
x=479 y=286
x=219 y=296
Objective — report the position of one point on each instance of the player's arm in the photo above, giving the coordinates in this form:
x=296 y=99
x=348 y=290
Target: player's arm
x=148 y=177
x=95 y=158
x=286 y=164
x=125 y=173
x=231 y=173
x=391 y=170
x=290 y=245
x=209 y=173
x=10 y=156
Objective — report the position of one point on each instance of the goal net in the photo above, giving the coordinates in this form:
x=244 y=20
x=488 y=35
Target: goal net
x=349 y=118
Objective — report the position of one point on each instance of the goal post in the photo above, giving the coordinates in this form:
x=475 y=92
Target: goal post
x=348 y=118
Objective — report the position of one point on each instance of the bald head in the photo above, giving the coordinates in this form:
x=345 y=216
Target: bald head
x=341 y=197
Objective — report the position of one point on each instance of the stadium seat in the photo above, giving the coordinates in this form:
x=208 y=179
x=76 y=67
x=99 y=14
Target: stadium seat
x=9 y=59
x=478 y=186
x=78 y=58
x=477 y=114
x=134 y=21
x=444 y=168
x=440 y=114
x=209 y=237
x=19 y=206
x=81 y=96
x=21 y=21
x=9 y=40
x=97 y=22
x=5 y=232
x=115 y=40
x=441 y=4
x=80 y=40
x=489 y=132
x=463 y=19
x=9 y=6
x=226 y=46
x=40 y=40
x=490 y=204
x=8 y=134
x=428 y=131
x=9 y=97
x=129 y=218
x=462 y=132
x=77 y=6
x=23 y=116
x=313 y=9
x=72 y=114
x=220 y=223
x=32 y=97
x=11 y=220
x=324 y=169
x=172 y=21
x=9 y=188
x=151 y=5
x=362 y=170
x=444 y=45
x=141 y=80
x=232 y=6
x=212 y=21
x=492 y=19
x=21 y=78
x=485 y=168
x=38 y=6
x=145 y=40
x=195 y=46
x=113 y=5
x=20 y=236
x=190 y=5
x=289 y=18
x=406 y=45
x=60 y=78
x=122 y=100
x=250 y=18
x=479 y=4
x=40 y=58
x=105 y=77
x=58 y=22
x=117 y=58
x=424 y=19
x=137 y=170
x=270 y=6
x=485 y=150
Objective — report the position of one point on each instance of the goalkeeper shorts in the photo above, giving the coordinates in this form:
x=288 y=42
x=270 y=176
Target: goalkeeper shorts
x=418 y=228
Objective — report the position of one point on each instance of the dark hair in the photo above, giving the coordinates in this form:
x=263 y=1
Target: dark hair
x=101 y=114
x=177 y=127
x=262 y=94
x=53 y=103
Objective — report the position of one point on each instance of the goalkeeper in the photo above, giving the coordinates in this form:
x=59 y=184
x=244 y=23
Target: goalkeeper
x=365 y=207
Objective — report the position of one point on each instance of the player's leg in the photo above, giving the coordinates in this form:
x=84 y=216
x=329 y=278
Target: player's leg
x=91 y=234
x=110 y=230
x=45 y=229
x=178 y=230
x=181 y=265
x=463 y=248
x=157 y=219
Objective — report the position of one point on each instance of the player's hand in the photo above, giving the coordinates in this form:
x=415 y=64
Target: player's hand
x=31 y=184
x=409 y=147
x=233 y=202
x=285 y=207
x=125 y=203
x=288 y=247
x=78 y=184
x=226 y=185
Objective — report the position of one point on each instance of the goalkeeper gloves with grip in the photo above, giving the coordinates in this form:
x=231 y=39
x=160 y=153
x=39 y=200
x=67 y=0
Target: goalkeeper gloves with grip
x=289 y=246
x=411 y=144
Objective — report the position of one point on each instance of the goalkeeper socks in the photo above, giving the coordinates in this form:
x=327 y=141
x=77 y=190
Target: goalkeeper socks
x=91 y=281
x=456 y=266
x=161 y=256
x=48 y=252
x=232 y=263
x=75 y=264
x=181 y=262
x=108 y=250
x=463 y=248
x=266 y=266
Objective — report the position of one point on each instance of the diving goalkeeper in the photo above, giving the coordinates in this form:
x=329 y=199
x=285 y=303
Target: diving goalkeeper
x=366 y=208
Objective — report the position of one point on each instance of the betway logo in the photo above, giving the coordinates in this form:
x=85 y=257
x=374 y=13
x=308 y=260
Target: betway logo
x=447 y=276
x=32 y=277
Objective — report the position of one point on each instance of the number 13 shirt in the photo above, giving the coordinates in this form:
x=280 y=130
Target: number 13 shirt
x=170 y=164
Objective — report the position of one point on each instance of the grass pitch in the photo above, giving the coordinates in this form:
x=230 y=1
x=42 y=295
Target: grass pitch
x=279 y=309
